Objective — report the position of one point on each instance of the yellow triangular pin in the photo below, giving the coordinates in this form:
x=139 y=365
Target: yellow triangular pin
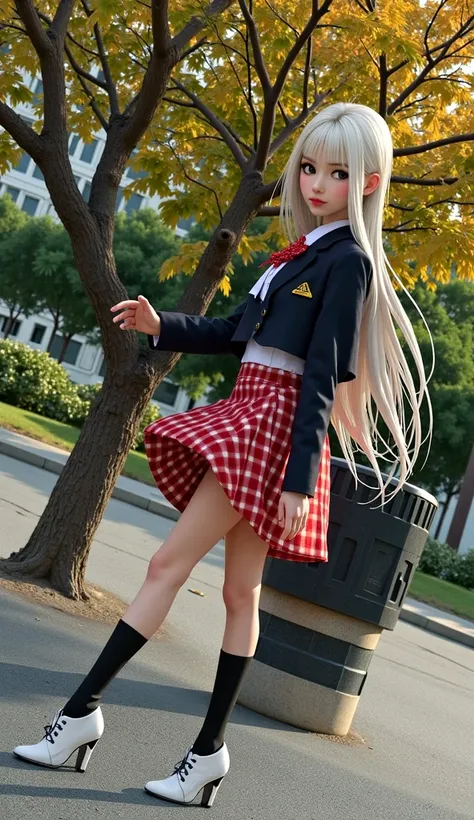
x=303 y=290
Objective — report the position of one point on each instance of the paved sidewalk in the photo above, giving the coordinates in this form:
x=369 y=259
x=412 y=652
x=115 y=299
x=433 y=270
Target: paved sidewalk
x=151 y=499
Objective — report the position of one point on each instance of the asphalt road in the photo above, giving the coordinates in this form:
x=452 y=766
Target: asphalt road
x=416 y=713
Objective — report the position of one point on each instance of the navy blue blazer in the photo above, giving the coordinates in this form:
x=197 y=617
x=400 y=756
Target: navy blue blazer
x=312 y=309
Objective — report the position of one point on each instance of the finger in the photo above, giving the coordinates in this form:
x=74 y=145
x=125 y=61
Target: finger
x=143 y=300
x=128 y=324
x=127 y=304
x=127 y=314
x=287 y=529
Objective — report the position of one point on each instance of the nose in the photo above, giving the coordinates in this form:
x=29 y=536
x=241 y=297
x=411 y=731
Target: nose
x=317 y=184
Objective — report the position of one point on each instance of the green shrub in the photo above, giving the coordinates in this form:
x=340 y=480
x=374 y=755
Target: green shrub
x=34 y=381
x=31 y=379
x=151 y=413
x=438 y=559
x=462 y=572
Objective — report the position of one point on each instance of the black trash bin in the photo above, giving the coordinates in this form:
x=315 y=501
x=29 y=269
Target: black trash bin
x=320 y=622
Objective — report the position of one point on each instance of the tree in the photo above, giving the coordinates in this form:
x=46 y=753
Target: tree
x=450 y=316
x=234 y=85
x=15 y=270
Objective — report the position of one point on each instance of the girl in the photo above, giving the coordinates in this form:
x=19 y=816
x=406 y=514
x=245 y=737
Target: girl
x=255 y=468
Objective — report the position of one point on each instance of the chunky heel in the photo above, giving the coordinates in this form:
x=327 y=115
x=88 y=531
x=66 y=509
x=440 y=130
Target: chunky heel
x=209 y=792
x=84 y=755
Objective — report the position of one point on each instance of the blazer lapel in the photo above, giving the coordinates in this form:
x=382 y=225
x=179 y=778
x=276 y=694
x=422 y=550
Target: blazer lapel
x=296 y=266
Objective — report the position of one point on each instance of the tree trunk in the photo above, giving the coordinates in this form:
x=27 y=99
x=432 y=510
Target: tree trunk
x=10 y=323
x=59 y=546
x=53 y=333
x=64 y=347
x=449 y=495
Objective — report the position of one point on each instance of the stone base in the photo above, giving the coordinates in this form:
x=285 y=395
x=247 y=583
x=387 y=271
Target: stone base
x=298 y=702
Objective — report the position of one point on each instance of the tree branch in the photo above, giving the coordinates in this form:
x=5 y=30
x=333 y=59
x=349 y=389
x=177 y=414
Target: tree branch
x=293 y=124
x=260 y=66
x=40 y=40
x=216 y=123
x=432 y=62
x=61 y=19
x=22 y=133
x=166 y=53
x=428 y=146
x=109 y=84
x=271 y=95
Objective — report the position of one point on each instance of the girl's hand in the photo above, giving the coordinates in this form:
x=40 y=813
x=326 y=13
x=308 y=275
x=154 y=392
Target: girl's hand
x=293 y=511
x=137 y=314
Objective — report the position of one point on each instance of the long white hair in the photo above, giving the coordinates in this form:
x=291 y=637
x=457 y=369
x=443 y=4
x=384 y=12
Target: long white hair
x=358 y=136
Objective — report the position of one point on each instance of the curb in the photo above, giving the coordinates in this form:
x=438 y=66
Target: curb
x=432 y=625
x=163 y=508
x=52 y=465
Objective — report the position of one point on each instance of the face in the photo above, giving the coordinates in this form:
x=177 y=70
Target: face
x=329 y=184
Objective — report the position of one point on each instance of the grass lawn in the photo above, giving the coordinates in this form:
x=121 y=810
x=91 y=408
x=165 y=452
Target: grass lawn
x=442 y=594
x=64 y=436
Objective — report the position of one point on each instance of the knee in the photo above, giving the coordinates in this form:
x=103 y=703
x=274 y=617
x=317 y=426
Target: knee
x=240 y=598
x=161 y=568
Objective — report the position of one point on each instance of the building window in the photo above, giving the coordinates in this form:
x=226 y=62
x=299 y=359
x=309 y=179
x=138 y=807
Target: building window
x=4 y=323
x=73 y=145
x=38 y=334
x=166 y=392
x=119 y=198
x=38 y=173
x=132 y=174
x=134 y=203
x=103 y=369
x=191 y=404
x=88 y=151
x=30 y=205
x=14 y=192
x=72 y=351
x=23 y=164
x=87 y=191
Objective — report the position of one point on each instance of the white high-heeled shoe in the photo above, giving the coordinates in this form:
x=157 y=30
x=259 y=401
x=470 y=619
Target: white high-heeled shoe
x=64 y=736
x=191 y=775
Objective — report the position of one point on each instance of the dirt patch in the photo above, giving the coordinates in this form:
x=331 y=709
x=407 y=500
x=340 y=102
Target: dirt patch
x=102 y=605
x=351 y=739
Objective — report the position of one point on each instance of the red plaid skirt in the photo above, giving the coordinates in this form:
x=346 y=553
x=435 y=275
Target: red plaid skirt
x=246 y=440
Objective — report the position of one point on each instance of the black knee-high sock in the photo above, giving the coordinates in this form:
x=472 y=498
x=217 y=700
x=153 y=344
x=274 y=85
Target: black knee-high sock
x=122 y=645
x=230 y=674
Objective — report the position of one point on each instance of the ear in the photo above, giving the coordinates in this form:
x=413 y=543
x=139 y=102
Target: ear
x=373 y=182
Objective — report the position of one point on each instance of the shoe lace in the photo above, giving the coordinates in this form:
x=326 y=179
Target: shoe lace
x=54 y=727
x=180 y=768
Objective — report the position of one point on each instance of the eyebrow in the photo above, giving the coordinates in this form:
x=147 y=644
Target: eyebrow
x=333 y=164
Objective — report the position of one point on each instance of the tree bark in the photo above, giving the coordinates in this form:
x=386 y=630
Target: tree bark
x=53 y=332
x=446 y=504
x=59 y=546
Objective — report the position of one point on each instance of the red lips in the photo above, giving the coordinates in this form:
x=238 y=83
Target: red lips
x=317 y=201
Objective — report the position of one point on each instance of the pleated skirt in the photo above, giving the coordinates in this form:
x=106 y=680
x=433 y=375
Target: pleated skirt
x=245 y=439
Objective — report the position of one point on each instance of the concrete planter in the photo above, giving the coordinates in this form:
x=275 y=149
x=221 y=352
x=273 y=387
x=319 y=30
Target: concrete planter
x=320 y=623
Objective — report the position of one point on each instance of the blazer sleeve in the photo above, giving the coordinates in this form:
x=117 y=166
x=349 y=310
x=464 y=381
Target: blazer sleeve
x=331 y=359
x=184 y=333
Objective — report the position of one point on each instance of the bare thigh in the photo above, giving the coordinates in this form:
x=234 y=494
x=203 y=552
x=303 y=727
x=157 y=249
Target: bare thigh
x=207 y=518
x=245 y=554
